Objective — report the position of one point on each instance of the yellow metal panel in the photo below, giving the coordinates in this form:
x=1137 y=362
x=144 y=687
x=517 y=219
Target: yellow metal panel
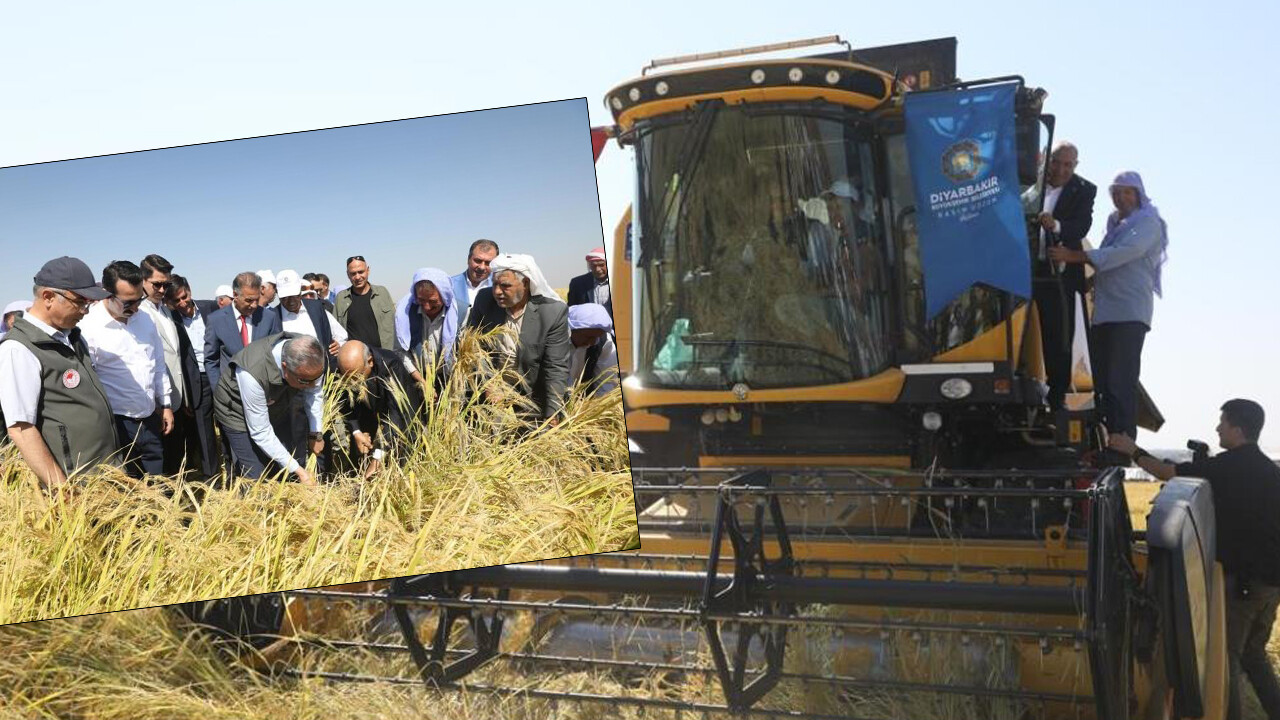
x=629 y=116
x=642 y=421
x=620 y=280
x=990 y=345
x=882 y=388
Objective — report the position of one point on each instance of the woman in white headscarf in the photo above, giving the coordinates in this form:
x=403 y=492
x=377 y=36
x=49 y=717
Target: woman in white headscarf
x=1126 y=280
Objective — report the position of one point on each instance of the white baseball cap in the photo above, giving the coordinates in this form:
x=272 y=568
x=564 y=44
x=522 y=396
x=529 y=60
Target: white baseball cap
x=267 y=276
x=223 y=290
x=288 y=284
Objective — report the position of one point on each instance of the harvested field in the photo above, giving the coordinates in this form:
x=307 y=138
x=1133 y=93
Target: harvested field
x=475 y=487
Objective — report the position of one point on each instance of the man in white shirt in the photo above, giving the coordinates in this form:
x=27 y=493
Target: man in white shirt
x=128 y=355
x=475 y=278
x=156 y=272
x=307 y=316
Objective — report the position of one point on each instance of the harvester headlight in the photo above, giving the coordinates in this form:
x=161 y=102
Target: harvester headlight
x=722 y=415
x=615 y=103
x=956 y=388
x=931 y=421
x=708 y=417
x=757 y=76
x=833 y=77
x=634 y=94
x=662 y=88
x=735 y=414
x=795 y=74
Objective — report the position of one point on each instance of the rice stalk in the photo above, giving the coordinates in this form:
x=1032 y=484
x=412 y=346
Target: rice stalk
x=471 y=484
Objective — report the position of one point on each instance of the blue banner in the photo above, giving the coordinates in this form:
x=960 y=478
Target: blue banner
x=964 y=168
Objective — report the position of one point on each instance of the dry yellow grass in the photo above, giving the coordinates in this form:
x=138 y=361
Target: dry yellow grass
x=475 y=489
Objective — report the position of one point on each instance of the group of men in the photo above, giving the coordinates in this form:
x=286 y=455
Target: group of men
x=132 y=370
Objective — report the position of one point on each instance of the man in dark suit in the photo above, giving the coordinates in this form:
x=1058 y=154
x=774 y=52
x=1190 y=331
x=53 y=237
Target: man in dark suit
x=539 y=350
x=592 y=287
x=1067 y=216
x=226 y=329
x=193 y=425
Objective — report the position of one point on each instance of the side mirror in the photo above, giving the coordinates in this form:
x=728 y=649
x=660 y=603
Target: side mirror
x=1029 y=147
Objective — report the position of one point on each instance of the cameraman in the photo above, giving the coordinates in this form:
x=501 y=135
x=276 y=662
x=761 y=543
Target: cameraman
x=1246 y=501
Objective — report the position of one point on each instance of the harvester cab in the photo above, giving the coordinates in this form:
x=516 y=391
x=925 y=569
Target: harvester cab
x=849 y=509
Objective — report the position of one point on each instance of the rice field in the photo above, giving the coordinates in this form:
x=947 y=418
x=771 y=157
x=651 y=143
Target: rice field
x=474 y=485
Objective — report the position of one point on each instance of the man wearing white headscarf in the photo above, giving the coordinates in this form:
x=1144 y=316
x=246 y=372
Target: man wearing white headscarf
x=1127 y=278
x=536 y=345
x=595 y=357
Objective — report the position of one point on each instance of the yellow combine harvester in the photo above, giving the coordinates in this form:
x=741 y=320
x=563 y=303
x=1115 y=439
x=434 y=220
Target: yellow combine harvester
x=840 y=494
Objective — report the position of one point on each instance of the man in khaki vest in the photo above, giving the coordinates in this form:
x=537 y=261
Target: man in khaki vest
x=55 y=407
x=256 y=394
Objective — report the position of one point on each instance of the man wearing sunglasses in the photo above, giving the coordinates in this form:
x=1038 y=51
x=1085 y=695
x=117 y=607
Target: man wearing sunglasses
x=128 y=354
x=157 y=282
x=56 y=410
x=256 y=394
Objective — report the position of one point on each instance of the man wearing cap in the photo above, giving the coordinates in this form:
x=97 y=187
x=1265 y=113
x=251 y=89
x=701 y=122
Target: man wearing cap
x=306 y=316
x=222 y=296
x=595 y=357
x=230 y=329
x=592 y=287
x=468 y=283
x=128 y=354
x=55 y=408
x=384 y=374
x=256 y=393
x=12 y=311
x=267 y=296
x=535 y=346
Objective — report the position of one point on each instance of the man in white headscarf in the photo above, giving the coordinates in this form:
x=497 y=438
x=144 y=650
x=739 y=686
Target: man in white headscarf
x=595 y=356
x=536 y=345
x=1127 y=268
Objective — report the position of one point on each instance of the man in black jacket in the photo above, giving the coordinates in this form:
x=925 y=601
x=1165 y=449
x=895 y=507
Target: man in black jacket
x=1246 y=508
x=373 y=412
x=592 y=287
x=1067 y=216
x=193 y=424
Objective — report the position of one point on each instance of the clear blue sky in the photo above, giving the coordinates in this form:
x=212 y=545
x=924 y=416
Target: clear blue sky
x=403 y=194
x=1179 y=91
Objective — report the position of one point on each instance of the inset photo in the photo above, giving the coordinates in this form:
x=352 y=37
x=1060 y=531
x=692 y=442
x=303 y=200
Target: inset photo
x=307 y=359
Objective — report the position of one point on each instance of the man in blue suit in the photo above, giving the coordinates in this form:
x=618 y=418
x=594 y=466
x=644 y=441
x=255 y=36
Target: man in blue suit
x=227 y=329
x=468 y=283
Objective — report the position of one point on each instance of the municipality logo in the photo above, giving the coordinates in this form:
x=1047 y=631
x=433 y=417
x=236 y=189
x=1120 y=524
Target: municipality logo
x=963 y=161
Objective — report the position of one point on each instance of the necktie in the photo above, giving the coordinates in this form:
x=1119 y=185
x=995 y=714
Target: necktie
x=244 y=331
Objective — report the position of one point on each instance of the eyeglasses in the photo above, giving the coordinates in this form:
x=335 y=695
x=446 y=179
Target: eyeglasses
x=354 y=258
x=81 y=304
x=308 y=382
x=160 y=285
